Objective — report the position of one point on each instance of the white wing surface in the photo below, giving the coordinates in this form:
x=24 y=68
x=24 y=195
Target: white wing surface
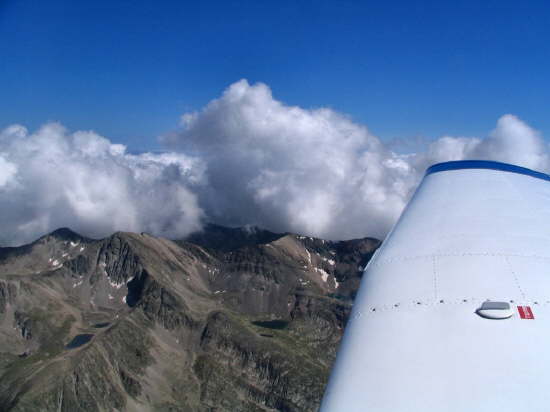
x=453 y=312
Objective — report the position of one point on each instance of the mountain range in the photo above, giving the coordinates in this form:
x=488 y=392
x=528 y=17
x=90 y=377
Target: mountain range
x=228 y=319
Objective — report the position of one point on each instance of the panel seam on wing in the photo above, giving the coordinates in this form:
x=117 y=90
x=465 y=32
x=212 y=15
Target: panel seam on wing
x=516 y=280
x=435 y=276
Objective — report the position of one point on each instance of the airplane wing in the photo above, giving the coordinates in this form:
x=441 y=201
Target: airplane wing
x=453 y=312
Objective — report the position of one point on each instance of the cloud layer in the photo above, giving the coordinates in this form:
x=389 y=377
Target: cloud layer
x=52 y=178
x=245 y=158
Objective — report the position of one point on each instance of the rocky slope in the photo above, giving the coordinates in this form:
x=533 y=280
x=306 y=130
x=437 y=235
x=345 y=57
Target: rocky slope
x=227 y=320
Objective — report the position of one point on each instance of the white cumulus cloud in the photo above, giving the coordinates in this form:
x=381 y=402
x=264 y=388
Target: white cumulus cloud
x=288 y=168
x=52 y=178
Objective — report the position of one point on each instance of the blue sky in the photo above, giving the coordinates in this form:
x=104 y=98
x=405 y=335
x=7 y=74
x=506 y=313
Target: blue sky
x=129 y=69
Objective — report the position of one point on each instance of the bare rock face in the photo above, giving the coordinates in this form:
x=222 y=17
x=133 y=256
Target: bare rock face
x=227 y=320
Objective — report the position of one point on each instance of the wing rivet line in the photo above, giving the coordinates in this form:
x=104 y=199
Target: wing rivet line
x=415 y=303
x=381 y=262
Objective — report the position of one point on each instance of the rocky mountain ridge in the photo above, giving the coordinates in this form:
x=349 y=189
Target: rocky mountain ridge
x=226 y=320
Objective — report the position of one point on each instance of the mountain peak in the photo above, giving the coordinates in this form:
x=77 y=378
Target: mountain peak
x=64 y=233
x=226 y=239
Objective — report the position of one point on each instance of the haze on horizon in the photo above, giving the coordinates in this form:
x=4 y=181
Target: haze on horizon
x=315 y=119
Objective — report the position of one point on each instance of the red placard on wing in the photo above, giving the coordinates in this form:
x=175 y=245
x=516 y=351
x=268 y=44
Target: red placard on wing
x=525 y=312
